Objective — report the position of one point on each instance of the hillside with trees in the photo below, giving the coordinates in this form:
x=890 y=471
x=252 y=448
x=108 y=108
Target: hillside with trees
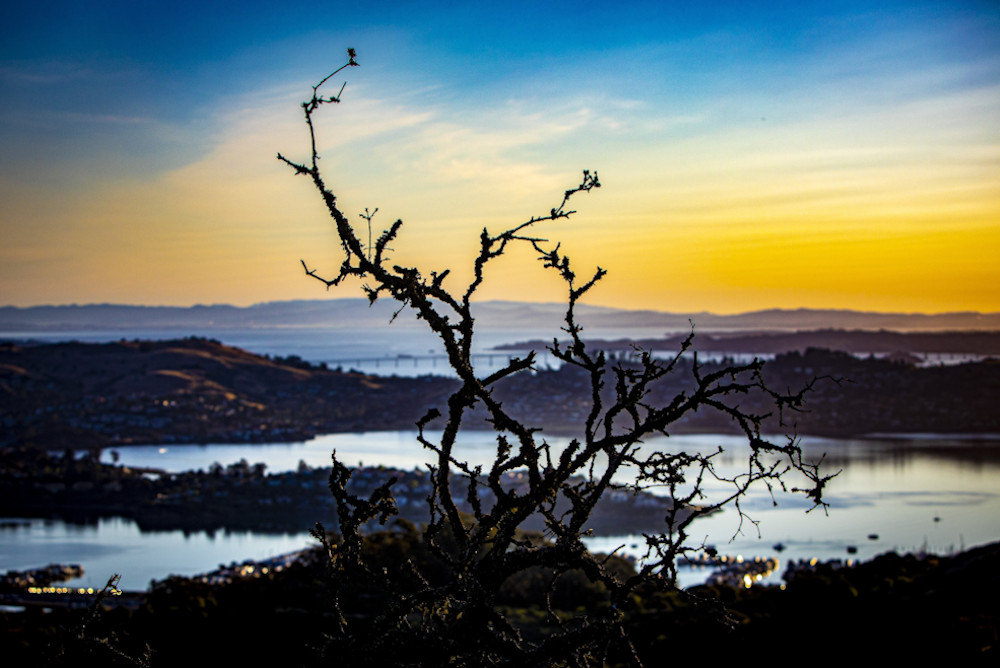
x=80 y=396
x=76 y=395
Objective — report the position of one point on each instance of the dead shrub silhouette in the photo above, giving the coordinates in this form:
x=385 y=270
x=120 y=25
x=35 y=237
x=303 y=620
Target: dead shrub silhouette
x=437 y=602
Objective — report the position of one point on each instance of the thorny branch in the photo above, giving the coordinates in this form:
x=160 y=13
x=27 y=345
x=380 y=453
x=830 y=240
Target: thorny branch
x=478 y=553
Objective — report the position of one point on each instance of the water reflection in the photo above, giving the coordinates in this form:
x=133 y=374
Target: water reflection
x=938 y=494
x=116 y=545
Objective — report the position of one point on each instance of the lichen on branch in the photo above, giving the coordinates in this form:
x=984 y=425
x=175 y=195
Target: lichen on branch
x=450 y=596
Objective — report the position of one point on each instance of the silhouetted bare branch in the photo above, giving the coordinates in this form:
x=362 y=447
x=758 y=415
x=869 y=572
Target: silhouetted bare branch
x=446 y=613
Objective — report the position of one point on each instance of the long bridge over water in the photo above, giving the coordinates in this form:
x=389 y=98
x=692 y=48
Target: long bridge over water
x=491 y=361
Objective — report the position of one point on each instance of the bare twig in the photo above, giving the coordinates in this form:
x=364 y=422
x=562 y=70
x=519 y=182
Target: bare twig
x=477 y=554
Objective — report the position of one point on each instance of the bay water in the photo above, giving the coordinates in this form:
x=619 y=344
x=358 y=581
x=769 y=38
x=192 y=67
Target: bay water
x=934 y=493
x=931 y=493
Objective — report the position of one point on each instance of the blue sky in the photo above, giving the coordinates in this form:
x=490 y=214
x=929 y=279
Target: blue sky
x=754 y=155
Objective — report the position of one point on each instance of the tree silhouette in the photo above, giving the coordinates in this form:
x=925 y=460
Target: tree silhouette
x=439 y=603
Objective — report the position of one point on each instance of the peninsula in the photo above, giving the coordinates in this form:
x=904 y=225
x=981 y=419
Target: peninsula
x=196 y=390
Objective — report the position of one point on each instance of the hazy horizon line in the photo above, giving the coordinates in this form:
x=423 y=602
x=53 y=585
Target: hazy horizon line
x=774 y=309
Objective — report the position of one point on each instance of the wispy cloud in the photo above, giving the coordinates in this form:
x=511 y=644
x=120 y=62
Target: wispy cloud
x=56 y=118
x=732 y=155
x=47 y=73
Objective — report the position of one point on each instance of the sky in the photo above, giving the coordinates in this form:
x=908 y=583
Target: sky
x=752 y=155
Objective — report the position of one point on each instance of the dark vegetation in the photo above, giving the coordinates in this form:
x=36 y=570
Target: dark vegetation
x=880 y=395
x=75 y=395
x=190 y=391
x=872 y=396
x=912 y=610
x=862 y=342
x=242 y=496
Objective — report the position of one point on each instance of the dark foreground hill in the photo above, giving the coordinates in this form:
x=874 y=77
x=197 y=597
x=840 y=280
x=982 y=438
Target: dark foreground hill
x=901 y=608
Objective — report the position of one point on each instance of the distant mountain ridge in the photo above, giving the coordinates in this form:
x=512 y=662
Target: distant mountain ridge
x=496 y=315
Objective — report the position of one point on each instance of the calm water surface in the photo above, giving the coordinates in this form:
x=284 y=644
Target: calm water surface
x=934 y=493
